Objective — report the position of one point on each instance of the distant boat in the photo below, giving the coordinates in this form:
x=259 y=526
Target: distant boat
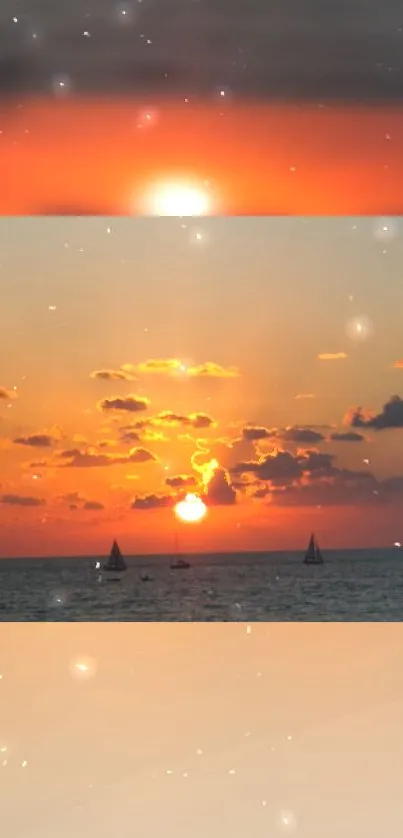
x=146 y=578
x=180 y=564
x=177 y=562
x=313 y=554
x=115 y=563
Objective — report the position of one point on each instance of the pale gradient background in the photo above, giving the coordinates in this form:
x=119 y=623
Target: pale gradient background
x=306 y=719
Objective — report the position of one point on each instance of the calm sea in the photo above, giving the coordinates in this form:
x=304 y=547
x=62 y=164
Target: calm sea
x=355 y=585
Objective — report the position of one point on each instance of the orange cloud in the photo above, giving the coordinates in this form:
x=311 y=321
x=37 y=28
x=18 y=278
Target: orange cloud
x=7 y=394
x=304 y=396
x=332 y=356
x=211 y=370
x=156 y=366
x=398 y=365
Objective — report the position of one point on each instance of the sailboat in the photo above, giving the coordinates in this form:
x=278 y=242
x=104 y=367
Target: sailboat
x=116 y=563
x=313 y=554
x=177 y=562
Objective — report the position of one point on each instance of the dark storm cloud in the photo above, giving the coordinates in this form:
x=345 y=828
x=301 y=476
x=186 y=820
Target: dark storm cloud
x=83 y=459
x=152 y=502
x=253 y=433
x=181 y=481
x=391 y=416
x=349 y=436
x=20 y=500
x=112 y=375
x=301 y=435
x=193 y=420
x=343 y=488
x=284 y=466
x=129 y=404
x=301 y=48
x=220 y=492
x=36 y=440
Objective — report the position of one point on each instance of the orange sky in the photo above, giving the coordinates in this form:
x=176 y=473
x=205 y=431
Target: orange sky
x=100 y=156
x=145 y=358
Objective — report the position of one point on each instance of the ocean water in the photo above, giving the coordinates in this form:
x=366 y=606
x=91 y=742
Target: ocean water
x=355 y=585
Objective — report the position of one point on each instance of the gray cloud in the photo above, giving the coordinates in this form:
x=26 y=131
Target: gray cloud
x=20 y=500
x=152 y=502
x=391 y=416
x=220 y=492
x=36 y=440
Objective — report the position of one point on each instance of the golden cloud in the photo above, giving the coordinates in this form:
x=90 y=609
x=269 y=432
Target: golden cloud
x=332 y=356
x=173 y=366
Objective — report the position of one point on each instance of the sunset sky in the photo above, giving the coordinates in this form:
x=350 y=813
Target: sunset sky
x=258 y=362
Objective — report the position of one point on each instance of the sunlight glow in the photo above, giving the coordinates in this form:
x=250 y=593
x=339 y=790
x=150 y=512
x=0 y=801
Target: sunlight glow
x=190 y=510
x=176 y=198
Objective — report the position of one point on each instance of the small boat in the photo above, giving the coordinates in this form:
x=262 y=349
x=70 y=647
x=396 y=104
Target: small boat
x=178 y=563
x=313 y=554
x=115 y=564
x=146 y=578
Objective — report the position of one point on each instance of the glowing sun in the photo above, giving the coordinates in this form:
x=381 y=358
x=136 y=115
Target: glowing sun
x=177 y=198
x=190 y=510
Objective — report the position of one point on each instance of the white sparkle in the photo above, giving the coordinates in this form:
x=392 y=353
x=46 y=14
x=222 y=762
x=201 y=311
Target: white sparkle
x=385 y=229
x=83 y=668
x=359 y=328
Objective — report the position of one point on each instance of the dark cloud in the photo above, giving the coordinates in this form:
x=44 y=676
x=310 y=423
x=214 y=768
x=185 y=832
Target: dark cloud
x=343 y=488
x=129 y=404
x=391 y=416
x=152 y=502
x=253 y=433
x=36 y=440
x=20 y=500
x=281 y=465
x=130 y=436
x=219 y=491
x=181 y=481
x=301 y=435
x=71 y=497
x=112 y=375
x=93 y=505
x=193 y=420
x=82 y=459
x=349 y=436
